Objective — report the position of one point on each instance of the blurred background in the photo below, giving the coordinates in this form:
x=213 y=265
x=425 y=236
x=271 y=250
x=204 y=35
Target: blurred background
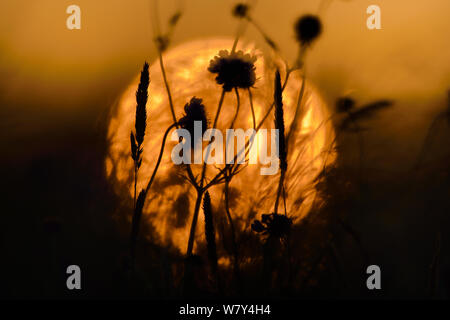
x=58 y=86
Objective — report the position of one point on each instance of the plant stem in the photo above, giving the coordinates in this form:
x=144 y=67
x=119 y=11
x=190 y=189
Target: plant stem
x=135 y=182
x=240 y=31
x=172 y=110
x=237 y=108
x=247 y=150
x=200 y=188
x=159 y=158
x=280 y=188
x=233 y=232
x=219 y=107
x=293 y=127
x=250 y=97
x=194 y=223
x=228 y=177
x=166 y=83
x=136 y=214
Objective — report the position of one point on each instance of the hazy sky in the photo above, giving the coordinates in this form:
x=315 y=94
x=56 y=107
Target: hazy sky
x=56 y=83
x=50 y=72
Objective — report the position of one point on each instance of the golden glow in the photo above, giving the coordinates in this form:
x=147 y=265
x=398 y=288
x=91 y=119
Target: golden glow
x=169 y=206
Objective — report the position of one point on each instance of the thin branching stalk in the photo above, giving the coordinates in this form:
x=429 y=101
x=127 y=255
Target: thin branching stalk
x=172 y=110
x=166 y=84
x=250 y=98
x=160 y=47
x=268 y=40
x=233 y=231
x=246 y=149
x=194 y=223
x=284 y=200
x=237 y=108
x=293 y=127
x=210 y=235
x=279 y=190
x=228 y=177
x=219 y=107
x=142 y=197
x=216 y=118
x=201 y=189
x=240 y=31
x=158 y=162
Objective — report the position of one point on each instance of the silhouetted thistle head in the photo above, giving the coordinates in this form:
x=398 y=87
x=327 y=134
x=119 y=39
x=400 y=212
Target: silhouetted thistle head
x=307 y=29
x=162 y=42
x=279 y=122
x=141 y=102
x=345 y=104
x=273 y=225
x=240 y=10
x=194 y=111
x=234 y=70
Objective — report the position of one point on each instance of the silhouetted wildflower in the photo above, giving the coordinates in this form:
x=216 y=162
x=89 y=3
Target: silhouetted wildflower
x=307 y=29
x=194 y=111
x=234 y=70
x=162 y=42
x=240 y=10
x=273 y=225
x=345 y=104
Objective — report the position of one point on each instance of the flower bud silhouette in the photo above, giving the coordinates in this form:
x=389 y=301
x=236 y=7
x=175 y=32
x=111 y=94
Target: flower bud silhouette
x=307 y=29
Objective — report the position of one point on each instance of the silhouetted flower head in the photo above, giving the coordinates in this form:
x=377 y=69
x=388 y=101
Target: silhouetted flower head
x=194 y=111
x=240 y=10
x=307 y=29
x=345 y=104
x=273 y=225
x=234 y=70
x=162 y=42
